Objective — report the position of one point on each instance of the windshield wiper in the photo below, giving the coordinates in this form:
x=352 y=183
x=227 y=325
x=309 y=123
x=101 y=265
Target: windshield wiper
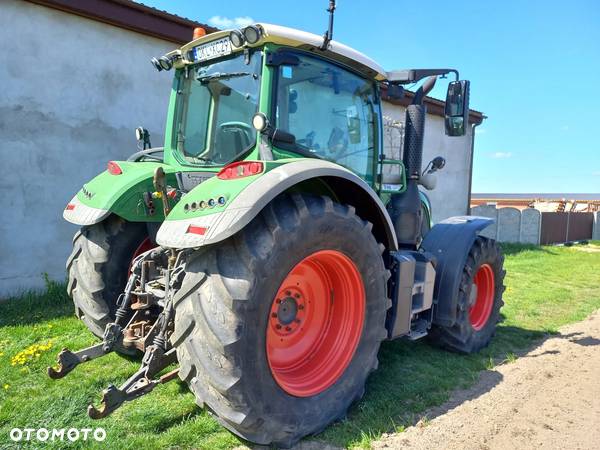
x=220 y=76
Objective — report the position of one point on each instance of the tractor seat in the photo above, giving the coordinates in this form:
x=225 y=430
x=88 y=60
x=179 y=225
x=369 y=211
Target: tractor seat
x=230 y=142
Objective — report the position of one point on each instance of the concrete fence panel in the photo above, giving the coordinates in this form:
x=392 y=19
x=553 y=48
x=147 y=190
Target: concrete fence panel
x=596 y=232
x=509 y=225
x=512 y=225
x=491 y=212
x=531 y=221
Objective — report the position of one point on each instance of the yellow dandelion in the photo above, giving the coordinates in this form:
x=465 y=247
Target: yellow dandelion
x=6 y=386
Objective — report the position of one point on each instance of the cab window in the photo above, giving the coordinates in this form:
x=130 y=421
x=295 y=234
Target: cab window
x=330 y=111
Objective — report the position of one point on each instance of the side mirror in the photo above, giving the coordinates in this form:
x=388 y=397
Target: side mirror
x=438 y=163
x=143 y=137
x=457 y=108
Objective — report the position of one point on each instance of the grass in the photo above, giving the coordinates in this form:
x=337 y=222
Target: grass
x=546 y=287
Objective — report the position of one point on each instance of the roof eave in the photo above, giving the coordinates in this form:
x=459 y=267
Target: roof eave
x=131 y=16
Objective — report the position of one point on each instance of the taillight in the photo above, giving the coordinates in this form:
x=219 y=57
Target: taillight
x=196 y=230
x=70 y=207
x=113 y=168
x=240 y=169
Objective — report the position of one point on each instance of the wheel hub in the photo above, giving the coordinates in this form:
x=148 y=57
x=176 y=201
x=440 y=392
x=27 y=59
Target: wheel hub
x=286 y=313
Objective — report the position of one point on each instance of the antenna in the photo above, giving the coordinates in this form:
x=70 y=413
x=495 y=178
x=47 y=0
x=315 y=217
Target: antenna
x=328 y=36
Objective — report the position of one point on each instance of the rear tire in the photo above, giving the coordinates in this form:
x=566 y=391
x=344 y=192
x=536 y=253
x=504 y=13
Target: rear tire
x=479 y=300
x=98 y=268
x=224 y=314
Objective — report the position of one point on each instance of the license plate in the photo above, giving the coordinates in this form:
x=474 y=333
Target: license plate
x=214 y=49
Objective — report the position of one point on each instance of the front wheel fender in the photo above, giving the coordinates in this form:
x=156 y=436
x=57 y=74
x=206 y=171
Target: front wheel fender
x=449 y=242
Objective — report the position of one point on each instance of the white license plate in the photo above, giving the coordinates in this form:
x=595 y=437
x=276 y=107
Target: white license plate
x=214 y=49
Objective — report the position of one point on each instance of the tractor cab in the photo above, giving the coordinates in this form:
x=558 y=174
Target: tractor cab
x=222 y=80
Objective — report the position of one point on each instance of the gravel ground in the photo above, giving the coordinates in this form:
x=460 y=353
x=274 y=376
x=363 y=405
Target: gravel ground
x=546 y=399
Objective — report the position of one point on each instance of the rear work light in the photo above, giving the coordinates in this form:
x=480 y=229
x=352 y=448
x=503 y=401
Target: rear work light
x=197 y=230
x=113 y=168
x=240 y=169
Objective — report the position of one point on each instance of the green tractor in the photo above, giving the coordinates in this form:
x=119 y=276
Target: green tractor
x=266 y=251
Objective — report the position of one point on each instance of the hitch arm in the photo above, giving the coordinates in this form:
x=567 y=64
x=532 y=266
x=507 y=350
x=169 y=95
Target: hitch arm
x=140 y=383
x=67 y=360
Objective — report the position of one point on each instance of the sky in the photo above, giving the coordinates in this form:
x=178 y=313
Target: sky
x=534 y=68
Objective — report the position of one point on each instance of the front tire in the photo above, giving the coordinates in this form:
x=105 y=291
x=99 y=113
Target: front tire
x=479 y=300
x=231 y=331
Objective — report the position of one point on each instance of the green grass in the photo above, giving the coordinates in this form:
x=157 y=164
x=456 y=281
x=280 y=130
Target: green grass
x=546 y=287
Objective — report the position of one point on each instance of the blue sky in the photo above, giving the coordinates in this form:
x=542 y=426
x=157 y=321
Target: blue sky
x=534 y=68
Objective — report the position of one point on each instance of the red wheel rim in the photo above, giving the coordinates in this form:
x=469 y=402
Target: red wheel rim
x=143 y=247
x=480 y=311
x=315 y=323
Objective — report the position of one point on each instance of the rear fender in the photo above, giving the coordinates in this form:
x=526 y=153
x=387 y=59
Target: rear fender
x=121 y=194
x=450 y=242
x=252 y=194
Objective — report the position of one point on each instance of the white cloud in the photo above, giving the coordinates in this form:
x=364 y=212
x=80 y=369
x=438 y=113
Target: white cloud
x=226 y=22
x=501 y=155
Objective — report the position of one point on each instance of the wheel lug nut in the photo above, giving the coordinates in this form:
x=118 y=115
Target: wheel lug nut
x=297 y=295
x=300 y=306
x=297 y=320
x=278 y=326
x=288 y=293
x=288 y=328
x=278 y=301
x=273 y=315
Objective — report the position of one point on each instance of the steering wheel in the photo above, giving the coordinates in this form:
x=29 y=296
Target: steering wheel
x=248 y=130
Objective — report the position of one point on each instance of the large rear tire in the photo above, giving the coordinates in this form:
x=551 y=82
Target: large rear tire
x=247 y=308
x=99 y=266
x=479 y=300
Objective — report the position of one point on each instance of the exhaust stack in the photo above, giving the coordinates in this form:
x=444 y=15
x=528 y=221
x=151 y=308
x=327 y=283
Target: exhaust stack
x=405 y=208
x=413 y=141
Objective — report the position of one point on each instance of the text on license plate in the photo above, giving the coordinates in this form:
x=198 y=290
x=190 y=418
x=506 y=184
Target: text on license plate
x=214 y=49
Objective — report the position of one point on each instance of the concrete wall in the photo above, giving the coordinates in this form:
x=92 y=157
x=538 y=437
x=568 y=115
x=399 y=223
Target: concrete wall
x=73 y=90
x=511 y=224
x=450 y=197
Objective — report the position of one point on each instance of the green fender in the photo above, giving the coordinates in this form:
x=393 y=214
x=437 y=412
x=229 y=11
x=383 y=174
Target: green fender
x=120 y=194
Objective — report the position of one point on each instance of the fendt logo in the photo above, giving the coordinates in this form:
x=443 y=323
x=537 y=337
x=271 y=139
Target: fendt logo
x=57 y=434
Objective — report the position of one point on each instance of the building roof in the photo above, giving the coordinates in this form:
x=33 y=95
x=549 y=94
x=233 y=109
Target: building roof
x=131 y=16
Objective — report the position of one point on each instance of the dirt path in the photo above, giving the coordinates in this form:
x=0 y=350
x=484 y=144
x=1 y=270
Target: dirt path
x=548 y=398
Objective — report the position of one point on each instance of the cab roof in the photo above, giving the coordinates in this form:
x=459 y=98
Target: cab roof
x=303 y=40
